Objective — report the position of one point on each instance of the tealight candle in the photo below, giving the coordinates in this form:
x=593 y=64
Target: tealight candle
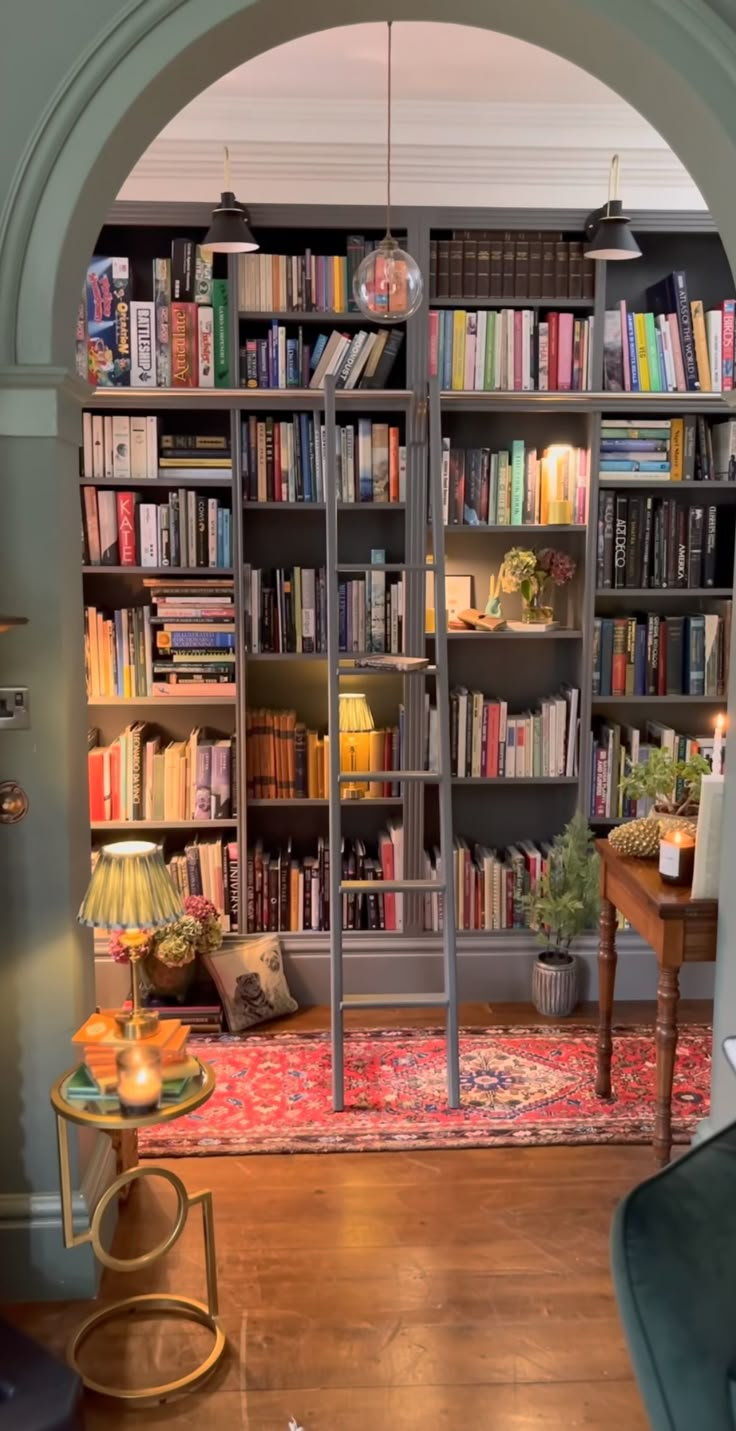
x=677 y=857
x=139 y=1080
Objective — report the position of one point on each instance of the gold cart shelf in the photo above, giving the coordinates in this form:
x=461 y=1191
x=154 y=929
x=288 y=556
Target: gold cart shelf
x=106 y=1116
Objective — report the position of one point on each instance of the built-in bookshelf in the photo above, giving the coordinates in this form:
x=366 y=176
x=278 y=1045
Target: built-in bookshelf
x=264 y=509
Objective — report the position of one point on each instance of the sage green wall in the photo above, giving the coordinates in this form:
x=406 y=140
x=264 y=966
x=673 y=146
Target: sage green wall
x=84 y=87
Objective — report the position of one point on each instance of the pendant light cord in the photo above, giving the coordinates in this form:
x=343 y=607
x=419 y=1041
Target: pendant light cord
x=388 y=138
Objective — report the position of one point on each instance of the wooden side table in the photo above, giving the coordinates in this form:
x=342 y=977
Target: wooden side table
x=106 y=1115
x=680 y=930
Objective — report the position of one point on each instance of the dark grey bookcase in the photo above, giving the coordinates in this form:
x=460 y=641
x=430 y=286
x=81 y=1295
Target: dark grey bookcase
x=517 y=667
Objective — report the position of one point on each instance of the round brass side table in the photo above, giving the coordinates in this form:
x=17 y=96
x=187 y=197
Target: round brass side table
x=106 y=1116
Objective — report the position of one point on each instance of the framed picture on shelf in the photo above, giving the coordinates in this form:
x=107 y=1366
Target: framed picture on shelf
x=458 y=597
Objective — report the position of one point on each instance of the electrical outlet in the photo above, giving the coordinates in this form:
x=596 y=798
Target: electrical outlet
x=14 y=709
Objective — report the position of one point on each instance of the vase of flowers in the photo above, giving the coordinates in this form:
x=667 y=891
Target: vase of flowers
x=169 y=958
x=534 y=575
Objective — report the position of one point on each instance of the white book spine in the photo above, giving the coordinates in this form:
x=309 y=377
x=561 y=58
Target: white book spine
x=669 y=362
x=143 y=345
x=107 y=445
x=87 y=458
x=402 y=473
x=714 y=331
x=121 y=448
x=205 y=346
x=212 y=531
x=544 y=357
x=107 y=509
x=149 y=534
x=98 y=447
x=471 y=334
x=138 y=449
x=282 y=357
x=152 y=447
x=527 y=321
x=445 y=480
x=349 y=460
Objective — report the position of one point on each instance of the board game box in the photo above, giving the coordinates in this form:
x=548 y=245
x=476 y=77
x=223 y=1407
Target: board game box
x=108 y=322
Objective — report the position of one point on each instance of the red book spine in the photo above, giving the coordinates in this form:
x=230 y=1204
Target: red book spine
x=393 y=464
x=728 y=343
x=184 y=345
x=387 y=867
x=553 y=384
x=434 y=342
x=96 y=781
x=618 y=661
x=494 y=729
x=518 y=351
x=126 y=529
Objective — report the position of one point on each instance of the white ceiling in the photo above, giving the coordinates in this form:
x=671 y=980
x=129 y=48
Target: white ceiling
x=479 y=119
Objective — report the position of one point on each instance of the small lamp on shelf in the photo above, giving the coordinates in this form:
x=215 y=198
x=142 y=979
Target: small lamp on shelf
x=356 y=724
x=607 y=229
x=131 y=893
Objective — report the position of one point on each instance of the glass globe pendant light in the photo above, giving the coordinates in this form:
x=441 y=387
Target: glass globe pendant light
x=388 y=284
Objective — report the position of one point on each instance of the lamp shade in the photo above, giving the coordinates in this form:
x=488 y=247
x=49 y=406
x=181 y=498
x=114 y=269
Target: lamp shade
x=611 y=238
x=130 y=889
x=229 y=231
x=355 y=713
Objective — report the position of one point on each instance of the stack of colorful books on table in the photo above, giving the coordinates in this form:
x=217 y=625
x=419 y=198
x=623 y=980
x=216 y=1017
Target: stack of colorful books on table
x=98 y=1042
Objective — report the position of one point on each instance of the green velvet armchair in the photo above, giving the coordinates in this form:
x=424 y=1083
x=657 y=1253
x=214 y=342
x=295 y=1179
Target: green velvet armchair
x=673 y=1255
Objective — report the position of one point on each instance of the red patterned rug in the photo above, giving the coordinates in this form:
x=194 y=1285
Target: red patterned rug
x=519 y=1086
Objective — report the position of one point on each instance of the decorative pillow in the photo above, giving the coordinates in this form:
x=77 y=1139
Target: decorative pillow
x=251 y=982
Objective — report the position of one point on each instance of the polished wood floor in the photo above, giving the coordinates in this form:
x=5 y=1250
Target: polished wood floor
x=440 y=1291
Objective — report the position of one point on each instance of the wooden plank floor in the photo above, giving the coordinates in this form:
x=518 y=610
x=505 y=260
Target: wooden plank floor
x=428 y=1291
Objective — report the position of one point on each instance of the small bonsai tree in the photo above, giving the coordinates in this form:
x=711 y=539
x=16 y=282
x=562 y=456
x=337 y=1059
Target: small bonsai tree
x=565 y=901
x=673 y=785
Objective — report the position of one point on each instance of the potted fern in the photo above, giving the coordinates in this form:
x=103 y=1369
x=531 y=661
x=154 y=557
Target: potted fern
x=563 y=905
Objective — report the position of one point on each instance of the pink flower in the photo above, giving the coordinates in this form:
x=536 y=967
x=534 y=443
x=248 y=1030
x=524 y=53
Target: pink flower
x=200 y=907
x=557 y=565
x=117 y=950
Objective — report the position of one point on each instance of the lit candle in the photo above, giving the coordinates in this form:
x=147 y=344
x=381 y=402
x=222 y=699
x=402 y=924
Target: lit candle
x=139 y=1080
x=677 y=857
x=718 y=745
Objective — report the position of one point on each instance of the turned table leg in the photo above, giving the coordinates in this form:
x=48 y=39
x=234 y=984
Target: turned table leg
x=668 y=993
x=606 y=983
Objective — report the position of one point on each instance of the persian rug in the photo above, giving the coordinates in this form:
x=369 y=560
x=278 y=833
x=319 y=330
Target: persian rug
x=526 y=1087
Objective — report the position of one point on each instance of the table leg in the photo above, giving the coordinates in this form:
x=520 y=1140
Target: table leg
x=125 y=1145
x=668 y=993
x=606 y=983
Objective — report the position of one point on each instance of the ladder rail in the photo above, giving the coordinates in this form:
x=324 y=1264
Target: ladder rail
x=333 y=719
x=449 y=948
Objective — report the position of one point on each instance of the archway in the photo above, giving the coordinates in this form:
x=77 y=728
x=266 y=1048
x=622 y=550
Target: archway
x=65 y=156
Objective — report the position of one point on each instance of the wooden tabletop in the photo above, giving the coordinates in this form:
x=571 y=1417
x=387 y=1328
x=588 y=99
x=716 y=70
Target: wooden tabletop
x=667 y=901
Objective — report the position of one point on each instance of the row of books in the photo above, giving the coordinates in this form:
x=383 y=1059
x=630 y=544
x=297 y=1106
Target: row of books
x=676 y=346
x=190 y=529
x=619 y=748
x=176 y=335
x=480 y=264
x=142 y=776
x=284 y=460
x=487 y=742
x=305 y=282
x=510 y=351
x=285 y=760
x=678 y=449
x=209 y=867
x=655 y=542
x=661 y=656
x=285 y=610
x=491 y=886
x=356 y=360
x=514 y=487
x=123 y=447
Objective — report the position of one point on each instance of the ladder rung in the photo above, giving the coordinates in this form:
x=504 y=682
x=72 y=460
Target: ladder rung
x=394 y=1001
x=353 y=777
x=392 y=886
x=385 y=566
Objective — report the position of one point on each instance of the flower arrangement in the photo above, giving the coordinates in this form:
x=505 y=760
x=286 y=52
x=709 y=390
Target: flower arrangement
x=196 y=931
x=531 y=573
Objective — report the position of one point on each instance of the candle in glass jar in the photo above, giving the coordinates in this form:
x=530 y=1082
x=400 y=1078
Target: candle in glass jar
x=139 y=1080
x=718 y=745
x=677 y=857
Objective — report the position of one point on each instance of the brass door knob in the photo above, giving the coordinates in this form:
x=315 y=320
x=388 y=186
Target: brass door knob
x=13 y=802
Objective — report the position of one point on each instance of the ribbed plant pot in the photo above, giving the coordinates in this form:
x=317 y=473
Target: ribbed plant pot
x=555 y=984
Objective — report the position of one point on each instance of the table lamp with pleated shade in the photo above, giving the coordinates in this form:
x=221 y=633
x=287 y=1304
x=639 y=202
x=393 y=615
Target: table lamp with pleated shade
x=131 y=893
x=356 y=724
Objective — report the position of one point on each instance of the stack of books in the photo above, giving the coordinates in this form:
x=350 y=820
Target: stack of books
x=514 y=487
x=487 y=742
x=141 y=777
x=678 y=449
x=284 y=460
x=171 y=331
x=653 y=655
x=130 y=448
x=356 y=360
x=306 y=282
x=203 y=1018
x=285 y=760
x=617 y=748
x=194 y=637
x=676 y=346
x=99 y=1041
x=285 y=610
x=510 y=351
x=191 y=529
x=483 y=264
x=655 y=542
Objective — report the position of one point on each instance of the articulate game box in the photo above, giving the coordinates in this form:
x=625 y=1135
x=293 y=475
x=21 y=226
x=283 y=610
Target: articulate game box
x=108 y=322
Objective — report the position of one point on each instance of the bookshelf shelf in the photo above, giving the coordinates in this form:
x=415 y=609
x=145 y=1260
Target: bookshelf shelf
x=286 y=656
x=203 y=573
x=305 y=315
x=301 y=802
x=160 y=702
x=164 y=824
x=246 y=399
x=220 y=479
x=478 y=636
x=601 y=701
x=709 y=490
x=645 y=593
x=320 y=506
x=505 y=529
x=565 y=305
x=606 y=403
x=515 y=780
